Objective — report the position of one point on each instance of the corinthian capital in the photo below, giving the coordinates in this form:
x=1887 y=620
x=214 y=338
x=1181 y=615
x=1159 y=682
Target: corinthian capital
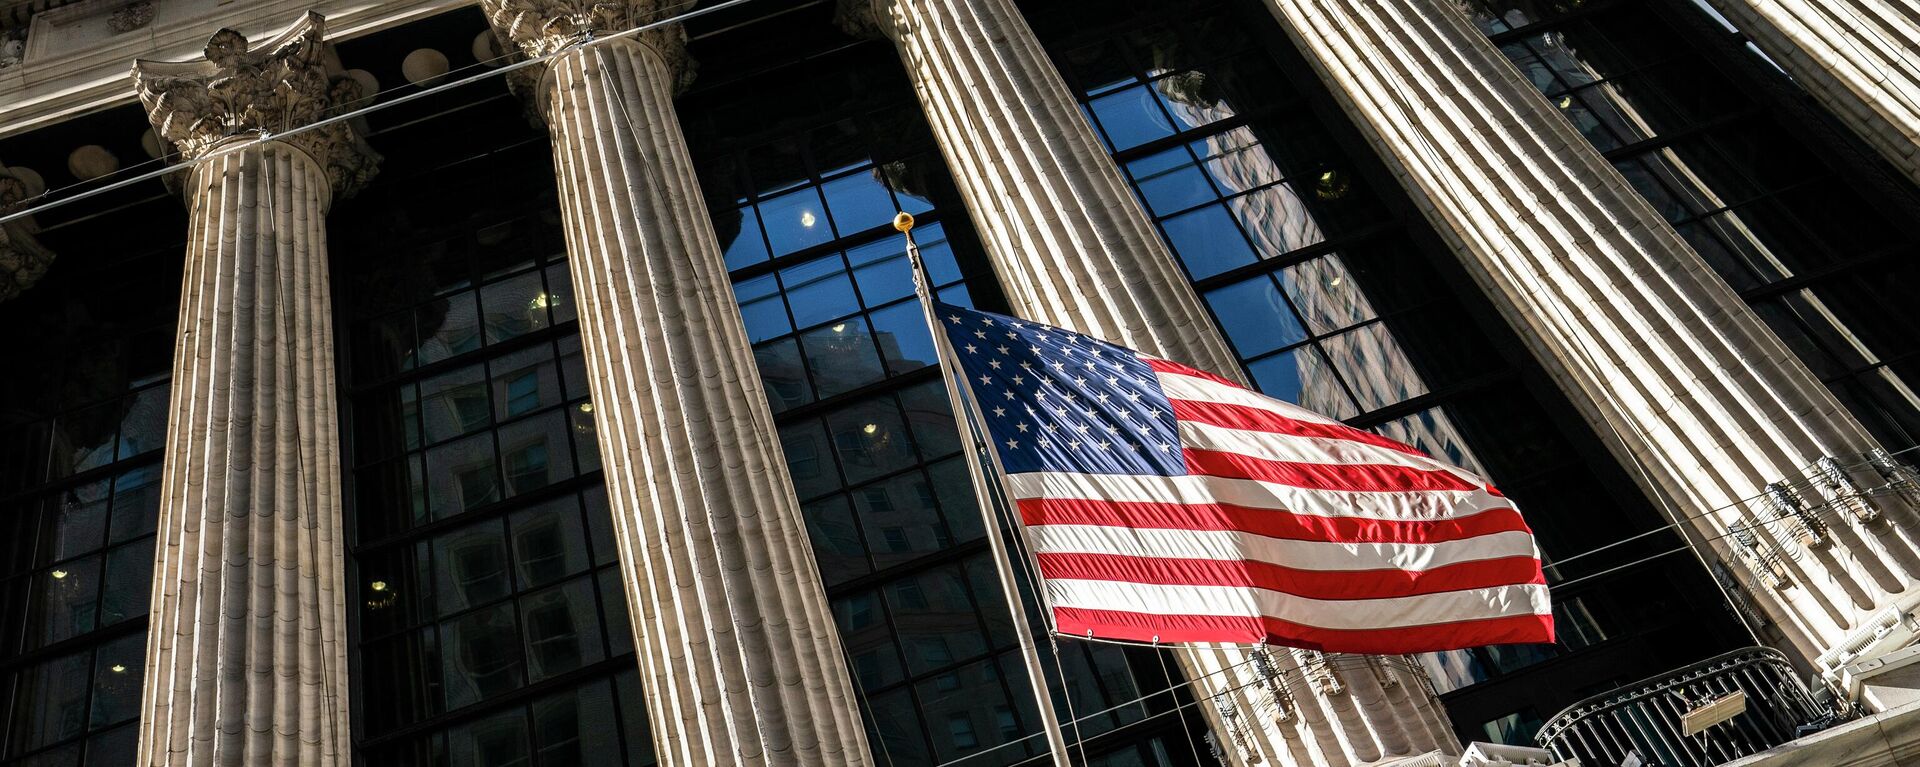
x=238 y=90
x=541 y=27
x=23 y=260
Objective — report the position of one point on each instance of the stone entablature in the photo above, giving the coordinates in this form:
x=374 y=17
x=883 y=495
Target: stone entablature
x=74 y=61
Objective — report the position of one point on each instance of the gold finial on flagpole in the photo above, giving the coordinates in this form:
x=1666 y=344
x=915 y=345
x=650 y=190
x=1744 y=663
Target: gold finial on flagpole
x=903 y=222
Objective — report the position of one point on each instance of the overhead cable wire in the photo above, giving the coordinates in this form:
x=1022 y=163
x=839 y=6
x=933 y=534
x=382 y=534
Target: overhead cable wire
x=265 y=136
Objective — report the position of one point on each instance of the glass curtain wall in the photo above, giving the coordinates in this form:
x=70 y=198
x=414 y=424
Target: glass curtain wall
x=1337 y=296
x=87 y=355
x=488 y=615
x=805 y=155
x=1798 y=218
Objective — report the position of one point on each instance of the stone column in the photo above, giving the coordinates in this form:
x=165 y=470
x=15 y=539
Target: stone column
x=1859 y=57
x=738 y=650
x=1674 y=371
x=246 y=660
x=1074 y=248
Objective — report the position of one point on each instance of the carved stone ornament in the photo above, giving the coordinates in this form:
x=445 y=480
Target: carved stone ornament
x=239 y=91
x=130 y=17
x=541 y=27
x=23 y=260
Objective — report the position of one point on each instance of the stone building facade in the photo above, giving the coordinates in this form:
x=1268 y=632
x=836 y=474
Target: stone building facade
x=538 y=382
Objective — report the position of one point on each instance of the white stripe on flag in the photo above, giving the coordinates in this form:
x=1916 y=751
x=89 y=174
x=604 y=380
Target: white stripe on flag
x=1298 y=449
x=1234 y=546
x=1361 y=614
x=1424 y=506
x=1177 y=386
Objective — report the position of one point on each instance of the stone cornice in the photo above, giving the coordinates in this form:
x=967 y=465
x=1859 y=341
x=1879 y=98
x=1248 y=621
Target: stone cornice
x=540 y=27
x=237 y=90
x=76 y=65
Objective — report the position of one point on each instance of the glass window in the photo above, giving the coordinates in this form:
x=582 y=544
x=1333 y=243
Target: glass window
x=492 y=619
x=84 y=406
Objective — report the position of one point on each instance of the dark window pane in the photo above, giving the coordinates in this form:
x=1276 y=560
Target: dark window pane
x=514 y=307
x=842 y=356
x=882 y=271
x=500 y=739
x=809 y=460
x=1376 y=369
x=1325 y=293
x=1170 y=181
x=480 y=657
x=795 y=221
x=1302 y=376
x=836 y=542
x=762 y=308
x=901 y=332
x=1255 y=317
x=471 y=564
x=448 y=327
x=934 y=618
x=535 y=452
x=1276 y=219
x=1208 y=242
x=870 y=440
x=901 y=519
x=743 y=245
x=117 y=667
x=524 y=381
x=1130 y=117
x=577 y=727
x=869 y=640
x=464 y=475
x=859 y=202
x=548 y=542
x=784 y=375
x=562 y=628
x=50 y=702
x=455 y=403
x=818 y=291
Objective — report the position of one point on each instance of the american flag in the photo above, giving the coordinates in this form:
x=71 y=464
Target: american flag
x=1162 y=503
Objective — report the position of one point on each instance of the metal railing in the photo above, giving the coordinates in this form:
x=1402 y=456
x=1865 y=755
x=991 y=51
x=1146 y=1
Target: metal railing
x=1647 y=723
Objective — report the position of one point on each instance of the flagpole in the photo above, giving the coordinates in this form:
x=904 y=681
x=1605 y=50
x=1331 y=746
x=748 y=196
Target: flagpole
x=977 y=469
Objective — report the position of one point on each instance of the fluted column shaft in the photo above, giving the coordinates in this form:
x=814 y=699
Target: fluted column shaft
x=1674 y=371
x=246 y=659
x=1073 y=248
x=246 y=653
x=738 y=650
x=1859 y=57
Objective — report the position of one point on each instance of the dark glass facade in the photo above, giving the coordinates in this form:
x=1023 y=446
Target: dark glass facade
x=85 y=360
x=1800 y=218
x=1336 y=295
x=489 y=623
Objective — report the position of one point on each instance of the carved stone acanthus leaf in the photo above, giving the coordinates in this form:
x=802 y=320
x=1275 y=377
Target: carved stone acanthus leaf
x=858 y=18
x=540 y=27
x=237 y=91
x=23 y=260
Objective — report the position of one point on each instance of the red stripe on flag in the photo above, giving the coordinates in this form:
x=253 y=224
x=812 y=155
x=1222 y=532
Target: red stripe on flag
x=1322 y=476
x=1273 y=523
x=1163 y=366
x=1180 y=629
x=1311 y=584
x=1255 y=419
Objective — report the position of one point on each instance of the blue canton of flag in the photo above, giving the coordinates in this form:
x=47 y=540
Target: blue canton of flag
x=1055 y=400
